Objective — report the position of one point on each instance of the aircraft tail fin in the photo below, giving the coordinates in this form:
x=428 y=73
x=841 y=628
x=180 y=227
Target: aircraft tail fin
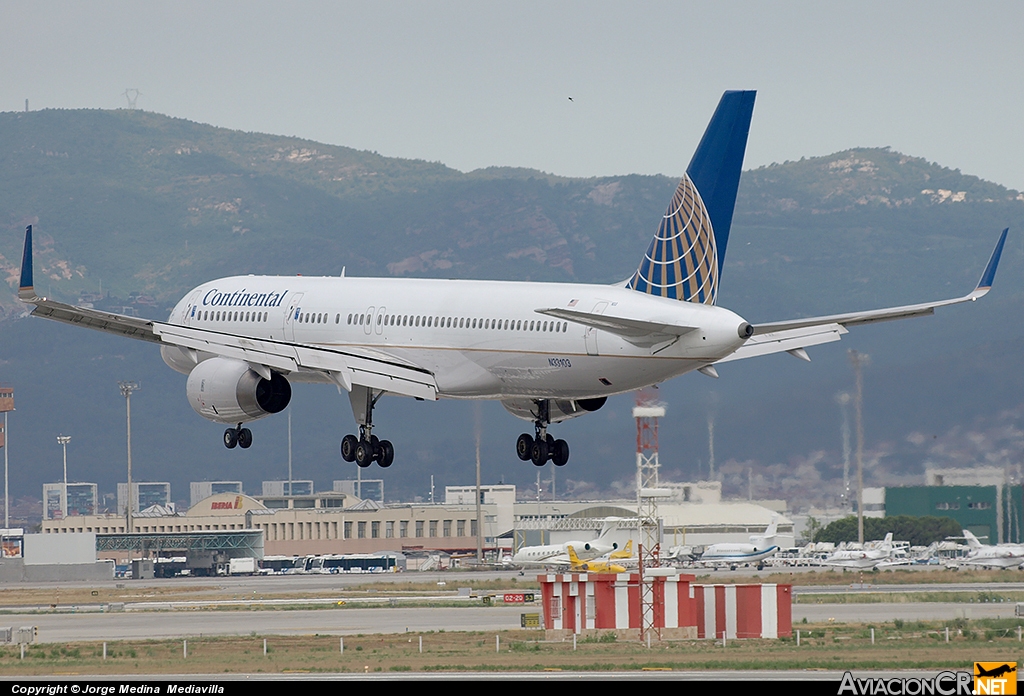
x=609 y=525
x=626 y=552
x=770 y=532
x=574 y=560
x=972 y=541
x=684 y=260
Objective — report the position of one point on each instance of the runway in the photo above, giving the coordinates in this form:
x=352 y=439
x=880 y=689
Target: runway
x=56 y=628
x=221 y=607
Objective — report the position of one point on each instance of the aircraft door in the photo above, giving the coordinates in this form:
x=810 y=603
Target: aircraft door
x=382 y=313
x=191 y=309
x=292 y=317
x=370 y=319
x=590 y=333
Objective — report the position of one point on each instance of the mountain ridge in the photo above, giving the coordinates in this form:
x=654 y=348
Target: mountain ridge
x=133 y=209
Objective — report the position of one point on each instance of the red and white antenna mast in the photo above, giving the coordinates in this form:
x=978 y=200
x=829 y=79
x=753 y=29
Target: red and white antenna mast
x=647 y=411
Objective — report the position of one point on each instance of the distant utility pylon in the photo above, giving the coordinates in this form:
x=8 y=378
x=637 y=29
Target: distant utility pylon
x=132 y=95
x=858 y=360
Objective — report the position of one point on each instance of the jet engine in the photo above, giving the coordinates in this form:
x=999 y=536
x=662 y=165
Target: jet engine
x=558 y=409
x=229 y=391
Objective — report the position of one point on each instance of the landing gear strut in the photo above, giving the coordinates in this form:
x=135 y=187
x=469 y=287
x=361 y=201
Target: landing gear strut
x=239 y=436
x=543 y=447
x=367 y=448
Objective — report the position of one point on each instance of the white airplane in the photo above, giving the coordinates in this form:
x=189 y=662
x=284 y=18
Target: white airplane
x=986 y=556
x=547 y=351
x=558 y=554
x=873 y=555
x=761 y=546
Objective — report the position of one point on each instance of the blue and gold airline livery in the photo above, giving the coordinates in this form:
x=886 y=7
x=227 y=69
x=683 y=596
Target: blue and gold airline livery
x=547 y=351
x=685 y=257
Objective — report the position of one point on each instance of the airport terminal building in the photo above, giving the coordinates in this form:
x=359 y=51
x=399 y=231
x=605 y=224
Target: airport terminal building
x=323 y=523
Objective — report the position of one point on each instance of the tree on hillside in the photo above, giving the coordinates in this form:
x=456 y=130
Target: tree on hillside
x=919 y=531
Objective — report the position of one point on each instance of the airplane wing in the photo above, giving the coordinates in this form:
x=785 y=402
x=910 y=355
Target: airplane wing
x=345 y=367
x=794 y=335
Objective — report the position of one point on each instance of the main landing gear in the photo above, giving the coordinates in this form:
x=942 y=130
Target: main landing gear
x=543 y=447
x=367 y=448
x=239 y=436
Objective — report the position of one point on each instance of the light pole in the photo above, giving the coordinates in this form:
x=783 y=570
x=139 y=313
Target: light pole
x=64 y=440
x=859 y=360
x=126 y=391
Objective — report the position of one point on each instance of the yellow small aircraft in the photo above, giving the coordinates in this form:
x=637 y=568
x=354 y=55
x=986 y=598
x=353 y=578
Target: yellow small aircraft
x=599 y=565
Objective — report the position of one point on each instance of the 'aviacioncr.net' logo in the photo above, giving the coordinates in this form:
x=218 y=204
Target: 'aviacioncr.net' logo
x=995 y=677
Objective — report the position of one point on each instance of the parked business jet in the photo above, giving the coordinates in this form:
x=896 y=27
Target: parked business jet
x=558 y=554
x=598 y=565
x=761 y=546
x=547 y=351
x=877 y=554
x=987 y=556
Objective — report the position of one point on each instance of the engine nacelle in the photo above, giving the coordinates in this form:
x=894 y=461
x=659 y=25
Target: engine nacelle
x=229 y=391
x=558 y=409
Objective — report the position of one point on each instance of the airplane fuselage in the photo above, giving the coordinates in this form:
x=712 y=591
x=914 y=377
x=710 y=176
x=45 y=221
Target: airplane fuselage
x=1006 y=556
x=480 y=339
x=733 y=554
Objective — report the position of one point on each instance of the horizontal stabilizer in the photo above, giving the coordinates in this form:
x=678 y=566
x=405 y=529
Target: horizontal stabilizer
x=636 y=331
x=789 y=340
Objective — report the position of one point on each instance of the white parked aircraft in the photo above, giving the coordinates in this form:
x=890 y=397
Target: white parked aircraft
x=761 y=546
x=874 y=555
x=558 y=554
x=998 y=556
x=547 y=351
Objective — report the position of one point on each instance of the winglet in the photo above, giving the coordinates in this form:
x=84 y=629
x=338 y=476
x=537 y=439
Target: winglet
x=25 y=290
x=985 y=284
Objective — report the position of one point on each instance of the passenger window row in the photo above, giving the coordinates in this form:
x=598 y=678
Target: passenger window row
x=459 y=323
x=258 y=317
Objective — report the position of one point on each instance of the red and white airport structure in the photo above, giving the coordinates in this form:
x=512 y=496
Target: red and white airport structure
x=585 y=603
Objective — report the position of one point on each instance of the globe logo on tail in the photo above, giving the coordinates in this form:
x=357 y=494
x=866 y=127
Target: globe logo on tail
x=682 y=262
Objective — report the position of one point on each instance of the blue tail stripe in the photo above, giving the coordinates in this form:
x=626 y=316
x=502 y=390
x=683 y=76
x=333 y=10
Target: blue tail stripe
x=716 y=165
x=684 y=260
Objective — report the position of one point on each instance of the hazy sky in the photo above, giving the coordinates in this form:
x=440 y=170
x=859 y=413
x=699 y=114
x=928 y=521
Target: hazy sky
x=475 y=84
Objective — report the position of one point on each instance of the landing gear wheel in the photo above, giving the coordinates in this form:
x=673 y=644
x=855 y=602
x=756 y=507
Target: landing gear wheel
x=560 y=453
x=364 y=454
x=539 y=452
x=230 y=438
x=523 y=446
x=348 y=448
x=385 y=454
x=245 y=438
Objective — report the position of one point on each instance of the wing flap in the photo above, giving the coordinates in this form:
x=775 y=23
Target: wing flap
x=278 y=356
x=119 y=324
x=787 y=340
x=344 y=368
